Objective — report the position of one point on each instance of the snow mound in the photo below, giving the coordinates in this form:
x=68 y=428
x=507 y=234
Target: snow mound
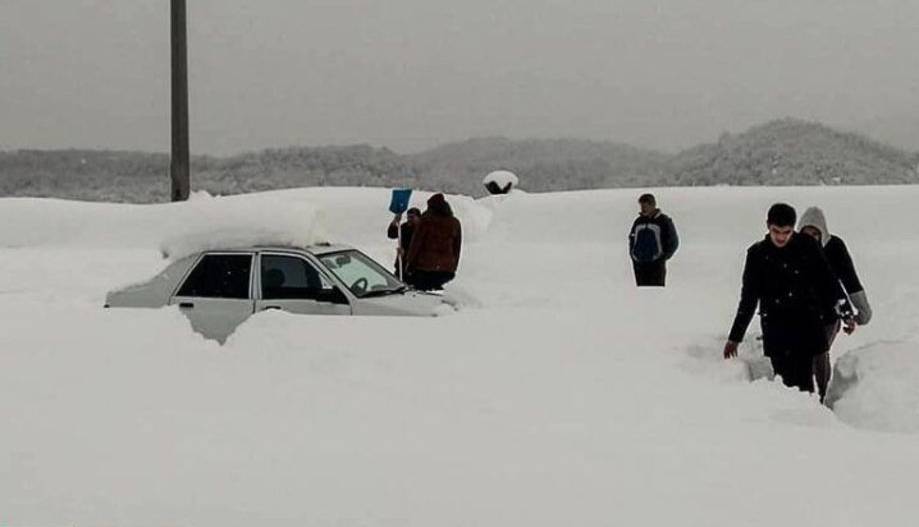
x=704 y=358
x=354 y=216
x=500 y=181
x=875 y=387
x=175 y=229
x=211 y=224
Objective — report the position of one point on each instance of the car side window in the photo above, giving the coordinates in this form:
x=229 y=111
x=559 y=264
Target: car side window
x=290 y=277
x=219 y=276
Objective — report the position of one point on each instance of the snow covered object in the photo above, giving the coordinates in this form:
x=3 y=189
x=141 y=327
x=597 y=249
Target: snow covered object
x=218 y=291
x=500 y=181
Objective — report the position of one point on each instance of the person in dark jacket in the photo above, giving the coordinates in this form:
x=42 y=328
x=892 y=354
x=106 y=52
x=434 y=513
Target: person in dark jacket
x=652 y=241
x=789 y=277
x=404 y=233
x=436 y=244
x=813 y=224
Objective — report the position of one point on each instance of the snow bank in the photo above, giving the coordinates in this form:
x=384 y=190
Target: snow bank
x=174 y=228
x=293 y=217
x=877 y=387
x=216 y=223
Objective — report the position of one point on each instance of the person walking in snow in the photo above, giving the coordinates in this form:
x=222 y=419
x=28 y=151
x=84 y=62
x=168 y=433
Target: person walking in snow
x=788 y=275
x=403 y=233
x=813 y=224
x=434 y=253
x=652 y=241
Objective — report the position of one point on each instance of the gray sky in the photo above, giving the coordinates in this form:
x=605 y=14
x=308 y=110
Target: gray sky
x=410 y=74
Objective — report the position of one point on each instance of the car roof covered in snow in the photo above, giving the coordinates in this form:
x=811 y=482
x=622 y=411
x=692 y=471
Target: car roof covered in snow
x=317 y=249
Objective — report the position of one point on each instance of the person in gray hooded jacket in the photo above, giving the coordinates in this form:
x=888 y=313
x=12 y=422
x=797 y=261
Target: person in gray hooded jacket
x=813 y=223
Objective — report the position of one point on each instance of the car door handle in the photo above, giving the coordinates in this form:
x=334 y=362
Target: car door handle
x=266 y=308
x=186 y=305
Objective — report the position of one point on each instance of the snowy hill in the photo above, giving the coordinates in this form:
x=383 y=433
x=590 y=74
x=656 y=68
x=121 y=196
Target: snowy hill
x=782 y=152
x=794 y=152
x=558 y=395
x=549 y=164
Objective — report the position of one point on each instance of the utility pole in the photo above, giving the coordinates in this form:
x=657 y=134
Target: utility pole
x=178 y=168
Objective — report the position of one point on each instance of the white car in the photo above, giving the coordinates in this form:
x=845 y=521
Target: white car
x=219 y=289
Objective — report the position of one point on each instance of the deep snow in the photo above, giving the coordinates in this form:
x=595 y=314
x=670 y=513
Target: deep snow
x=560 y=394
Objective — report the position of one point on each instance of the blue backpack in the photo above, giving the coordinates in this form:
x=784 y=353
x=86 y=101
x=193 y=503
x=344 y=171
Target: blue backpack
x=647 y=245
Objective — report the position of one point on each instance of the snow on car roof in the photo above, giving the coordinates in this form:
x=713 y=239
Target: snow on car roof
x=325 y=248
x=316 y=248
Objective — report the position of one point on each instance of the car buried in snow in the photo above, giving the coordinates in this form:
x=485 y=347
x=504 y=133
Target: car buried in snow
x=219 y=289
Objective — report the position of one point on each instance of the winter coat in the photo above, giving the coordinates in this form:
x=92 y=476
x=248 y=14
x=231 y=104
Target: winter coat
x=662 y=227
x=436 y=242
x=840 y=261
x=392 y=232
x=797 y=294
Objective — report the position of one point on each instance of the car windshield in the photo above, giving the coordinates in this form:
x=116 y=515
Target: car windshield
x=363 y=276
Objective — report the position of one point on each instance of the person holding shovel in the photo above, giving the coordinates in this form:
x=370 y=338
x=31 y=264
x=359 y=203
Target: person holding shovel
x=403 y=232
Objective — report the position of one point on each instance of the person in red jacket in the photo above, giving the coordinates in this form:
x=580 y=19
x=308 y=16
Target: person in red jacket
x=434 y=253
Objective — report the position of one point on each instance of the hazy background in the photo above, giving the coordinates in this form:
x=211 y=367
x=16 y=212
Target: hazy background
x=411 y=74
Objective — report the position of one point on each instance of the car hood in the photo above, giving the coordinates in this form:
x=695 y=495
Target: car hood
x=411 y=303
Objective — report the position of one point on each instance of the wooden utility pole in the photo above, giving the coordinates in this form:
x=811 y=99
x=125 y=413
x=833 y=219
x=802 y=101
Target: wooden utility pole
x=179 y=169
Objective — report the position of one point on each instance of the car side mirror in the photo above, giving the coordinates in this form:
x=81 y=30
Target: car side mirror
x=333 y=296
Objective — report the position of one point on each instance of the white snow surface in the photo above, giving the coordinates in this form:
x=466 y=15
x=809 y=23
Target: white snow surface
x=559 y=395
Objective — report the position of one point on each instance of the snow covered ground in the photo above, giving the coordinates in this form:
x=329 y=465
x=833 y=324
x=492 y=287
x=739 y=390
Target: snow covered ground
x=559 y=395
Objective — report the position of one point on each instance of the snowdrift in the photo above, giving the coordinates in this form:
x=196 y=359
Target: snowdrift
x=560 y=395
x=875 y=387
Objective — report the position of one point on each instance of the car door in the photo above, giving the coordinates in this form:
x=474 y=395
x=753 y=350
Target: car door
x=292 y=283
x=216 y=296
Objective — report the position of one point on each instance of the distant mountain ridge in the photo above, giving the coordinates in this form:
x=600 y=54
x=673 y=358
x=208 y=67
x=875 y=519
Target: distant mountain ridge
x=781 y=152
x=543 y=164
x=793 y=152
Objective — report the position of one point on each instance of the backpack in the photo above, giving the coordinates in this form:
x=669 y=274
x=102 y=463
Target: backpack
x=647 y=245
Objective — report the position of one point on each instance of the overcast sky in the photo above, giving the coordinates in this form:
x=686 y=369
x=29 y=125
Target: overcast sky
x=410 y=74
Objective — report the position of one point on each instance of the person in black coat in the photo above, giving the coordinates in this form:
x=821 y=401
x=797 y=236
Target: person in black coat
x=413 y=216
x=789 y=277
x=813 y=224
x=652 y=241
